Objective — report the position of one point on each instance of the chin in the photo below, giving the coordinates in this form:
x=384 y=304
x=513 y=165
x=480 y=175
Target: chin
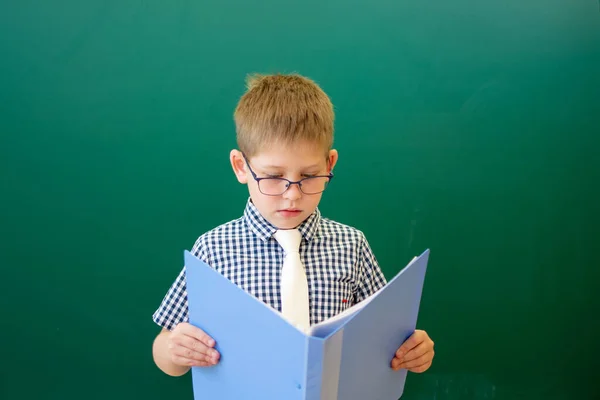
x=289 y=223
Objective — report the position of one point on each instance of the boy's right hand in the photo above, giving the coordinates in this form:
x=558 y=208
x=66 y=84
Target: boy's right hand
x=190 y=346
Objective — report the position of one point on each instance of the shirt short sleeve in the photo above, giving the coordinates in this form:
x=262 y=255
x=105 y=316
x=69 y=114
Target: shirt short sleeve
x=173 y=309
x=372 y=278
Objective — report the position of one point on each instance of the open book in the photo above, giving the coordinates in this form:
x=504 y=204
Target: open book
x=263 y=356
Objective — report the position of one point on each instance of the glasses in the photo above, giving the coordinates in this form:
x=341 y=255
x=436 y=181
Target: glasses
x=278 y=186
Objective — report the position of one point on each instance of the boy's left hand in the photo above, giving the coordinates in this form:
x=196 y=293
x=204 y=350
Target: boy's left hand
x=415 y=354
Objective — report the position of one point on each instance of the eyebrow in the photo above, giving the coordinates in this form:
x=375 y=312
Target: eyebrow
x=280 y=167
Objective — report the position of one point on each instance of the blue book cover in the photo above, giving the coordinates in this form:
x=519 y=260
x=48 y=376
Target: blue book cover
x=346 y=357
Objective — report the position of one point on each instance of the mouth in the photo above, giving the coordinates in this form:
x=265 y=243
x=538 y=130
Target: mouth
x=289 y=212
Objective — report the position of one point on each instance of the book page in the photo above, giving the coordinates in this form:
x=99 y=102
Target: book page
x=330 y=325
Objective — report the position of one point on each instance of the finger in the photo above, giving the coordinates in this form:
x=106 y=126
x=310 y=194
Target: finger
x=198 y=334
x=195 y=345
x=422 y=368
x=417 y=362
x=202 y=364
x=190 y=348
x=422 y=348
x=183 y=353
x=190 y=363
x=414 y=340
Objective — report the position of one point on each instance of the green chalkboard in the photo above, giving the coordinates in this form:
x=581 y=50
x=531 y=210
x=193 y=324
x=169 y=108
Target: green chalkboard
x=467 y=127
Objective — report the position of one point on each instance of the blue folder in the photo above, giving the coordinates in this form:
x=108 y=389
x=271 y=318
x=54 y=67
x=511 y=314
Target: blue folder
x=265 y=357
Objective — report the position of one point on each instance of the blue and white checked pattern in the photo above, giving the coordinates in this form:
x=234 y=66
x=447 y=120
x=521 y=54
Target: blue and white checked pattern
x=340 y=266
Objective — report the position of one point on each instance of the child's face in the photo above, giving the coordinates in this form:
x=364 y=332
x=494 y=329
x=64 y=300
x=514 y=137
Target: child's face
x=287 y=210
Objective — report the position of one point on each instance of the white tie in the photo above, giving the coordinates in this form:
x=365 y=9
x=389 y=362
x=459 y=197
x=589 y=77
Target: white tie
x=294 y=285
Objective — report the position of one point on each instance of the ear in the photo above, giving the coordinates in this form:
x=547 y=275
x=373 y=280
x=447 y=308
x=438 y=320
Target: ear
x=332 y=159
x=239 y=166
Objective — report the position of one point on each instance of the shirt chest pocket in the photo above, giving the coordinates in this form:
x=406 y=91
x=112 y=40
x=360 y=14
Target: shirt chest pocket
x=333 y=296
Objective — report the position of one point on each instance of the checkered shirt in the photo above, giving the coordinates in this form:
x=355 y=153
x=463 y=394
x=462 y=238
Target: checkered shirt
x=340 y=266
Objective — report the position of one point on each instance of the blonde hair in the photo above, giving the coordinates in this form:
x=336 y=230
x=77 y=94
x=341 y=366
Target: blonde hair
x=283 y=109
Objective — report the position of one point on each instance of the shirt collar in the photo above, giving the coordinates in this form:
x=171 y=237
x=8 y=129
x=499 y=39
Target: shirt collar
x=264 y=229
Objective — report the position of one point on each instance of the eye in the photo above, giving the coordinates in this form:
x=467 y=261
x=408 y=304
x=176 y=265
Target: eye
x=309 y=175
x=273 y=176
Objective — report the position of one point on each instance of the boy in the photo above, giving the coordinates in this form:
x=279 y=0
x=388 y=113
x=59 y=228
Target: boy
x=284 y=126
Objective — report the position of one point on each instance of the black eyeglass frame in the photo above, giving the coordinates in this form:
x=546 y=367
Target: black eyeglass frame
x=289 y=183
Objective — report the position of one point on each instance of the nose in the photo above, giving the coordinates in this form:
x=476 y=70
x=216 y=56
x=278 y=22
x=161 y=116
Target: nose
x=293 y=192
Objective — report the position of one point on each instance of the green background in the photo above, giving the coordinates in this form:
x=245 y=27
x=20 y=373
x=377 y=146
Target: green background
x=467 y=127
